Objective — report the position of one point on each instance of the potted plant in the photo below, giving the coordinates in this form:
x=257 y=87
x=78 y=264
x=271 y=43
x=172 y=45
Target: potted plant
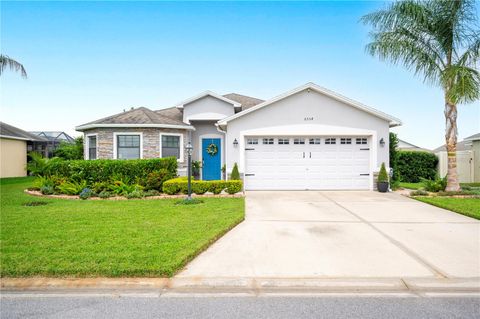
x=196 y=165
x=382 y=182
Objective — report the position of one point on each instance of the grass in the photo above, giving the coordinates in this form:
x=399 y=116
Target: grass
x=466 y=206
x=415 y=186
x=136 y=238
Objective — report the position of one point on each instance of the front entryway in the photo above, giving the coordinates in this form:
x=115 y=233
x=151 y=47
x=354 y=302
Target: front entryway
x=211 y=159
x=307 y=163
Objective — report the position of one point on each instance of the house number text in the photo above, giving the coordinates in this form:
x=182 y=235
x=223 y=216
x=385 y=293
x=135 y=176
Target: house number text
x=308 y=118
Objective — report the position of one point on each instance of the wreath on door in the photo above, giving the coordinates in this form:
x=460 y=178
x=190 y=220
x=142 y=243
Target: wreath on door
x=212 y=149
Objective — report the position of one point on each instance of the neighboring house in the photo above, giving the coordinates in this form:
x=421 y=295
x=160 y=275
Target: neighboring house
x=51 y=140
x=13 y=150
x=306 y=138
x=405 y=146
x=468 y=159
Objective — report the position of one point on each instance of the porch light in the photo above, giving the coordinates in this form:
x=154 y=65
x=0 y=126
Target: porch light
x=235 y=143
x=382 y=142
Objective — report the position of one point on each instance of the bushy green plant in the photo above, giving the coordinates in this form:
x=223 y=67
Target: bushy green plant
x=156 y=179
x=47 y=190
x=99 y=187
x=436 y=185
x=42 y=181
x=235 y=173
x=86 y=193
x=200 y=187
x=70 y=151
x=40 y=166
x=122 y=189
x=413 y=165
x=382 y=175
x=175 y=185
x=102 y=170
x=105 y=194
x=216 y=187
x=71 y=187
x=233 y=186
x=393 y=144
x=151 y=192
x=135 y=194
x=419 y=192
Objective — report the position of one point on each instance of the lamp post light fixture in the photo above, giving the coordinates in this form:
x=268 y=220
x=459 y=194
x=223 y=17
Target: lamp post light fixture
x=189 y=149
x=235 y=143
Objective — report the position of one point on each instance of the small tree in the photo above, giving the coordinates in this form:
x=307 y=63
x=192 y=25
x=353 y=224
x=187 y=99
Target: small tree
x=235 y=173
x=394 y=155
x=70 y=151
x=382 y=175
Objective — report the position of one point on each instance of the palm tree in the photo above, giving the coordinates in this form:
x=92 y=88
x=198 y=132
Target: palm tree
x=439 y=41
x=13 y=65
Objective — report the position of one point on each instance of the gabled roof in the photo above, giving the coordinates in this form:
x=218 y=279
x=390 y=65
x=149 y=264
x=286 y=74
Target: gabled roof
x=208 y=93
x=312 y=86
x=464 y=145
x=54 y=135
x=474 y=137
x=403 y=145
x=12 y=132
x=246 y=101
x=139 y=117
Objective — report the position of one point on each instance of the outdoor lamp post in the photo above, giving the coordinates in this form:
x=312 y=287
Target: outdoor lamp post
x=189 y=149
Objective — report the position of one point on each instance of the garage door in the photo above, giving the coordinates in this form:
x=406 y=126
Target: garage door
x=307 y=163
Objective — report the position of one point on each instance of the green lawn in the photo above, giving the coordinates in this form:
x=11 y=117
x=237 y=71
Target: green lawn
x=105 y=237
x=410 y=185
x=466 y=206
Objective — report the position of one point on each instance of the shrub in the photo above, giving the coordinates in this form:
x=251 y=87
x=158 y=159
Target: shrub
x=127 y=171
x=419 y=192
x=47 y=190
x=216 y=187
x=382 y=175
x=135 y=194
x=151 y=192
x=155 y=180
x=39 y=165
x=173 y=186
x=393 y=144
x=86 y=193
x=122 y=189
x=105 y=194
x=200 y=187
x=233 y=186
x=70 y=151
x=99 y=187
x=43 y=181
x=235 y=174
x=71 y=187
x=436 y=185
x=412 y=166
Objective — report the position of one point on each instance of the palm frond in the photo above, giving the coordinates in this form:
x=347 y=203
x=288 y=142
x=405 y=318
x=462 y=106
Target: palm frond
x=7 y=62
x=462 y=84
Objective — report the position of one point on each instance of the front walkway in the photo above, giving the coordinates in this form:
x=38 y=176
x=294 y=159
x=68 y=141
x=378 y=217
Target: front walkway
x=334 y=235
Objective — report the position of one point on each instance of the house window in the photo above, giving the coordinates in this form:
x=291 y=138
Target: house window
x=252 y=141
x=345 y=141
x=128 y=146
x=314 y=141
x=283 y=141
x=92 y=147
x=171 y=146
x=298 y=141
x=330 y=141
x=268 y=141
x=362 y=140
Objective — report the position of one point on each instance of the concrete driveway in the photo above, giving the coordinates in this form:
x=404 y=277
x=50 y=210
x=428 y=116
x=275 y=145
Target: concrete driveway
x=343 y=235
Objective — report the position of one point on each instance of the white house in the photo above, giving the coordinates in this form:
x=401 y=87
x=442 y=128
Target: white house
x=306 y=138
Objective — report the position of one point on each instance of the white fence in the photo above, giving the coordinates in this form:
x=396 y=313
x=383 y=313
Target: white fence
x=465 y=165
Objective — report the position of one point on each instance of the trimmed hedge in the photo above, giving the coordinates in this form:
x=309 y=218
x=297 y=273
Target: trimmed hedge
x=412 y=166
x=106 y=170
x=180 y=185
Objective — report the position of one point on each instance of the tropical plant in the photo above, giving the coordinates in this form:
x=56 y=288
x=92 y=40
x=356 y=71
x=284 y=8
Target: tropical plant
x=393 y=144
x=39 y=165
x=235 y=174
x=70 y=151
x=7 y=62
x=71 y=187
x=439 y=41
x=436 y=185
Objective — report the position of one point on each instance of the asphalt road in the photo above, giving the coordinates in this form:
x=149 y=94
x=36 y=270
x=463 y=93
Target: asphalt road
x=238 y=307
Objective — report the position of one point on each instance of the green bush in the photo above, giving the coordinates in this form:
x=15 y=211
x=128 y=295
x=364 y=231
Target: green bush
x=71 y=187
x=235 y=174
x=435 y=185
x=382 y=175
x=174 y=185
x=122 y=189
x=151 y=192
x=47 y=190
x=128 y=171
x=412 y=166
x=135 y=194
x=216 y=187
x=86 y=193
x=200 y=187
x=393 y=144
x=105 y=194
x=233 y=186
x=156 y=179
x=40 y=166
x=70 y=151
x=419 y=192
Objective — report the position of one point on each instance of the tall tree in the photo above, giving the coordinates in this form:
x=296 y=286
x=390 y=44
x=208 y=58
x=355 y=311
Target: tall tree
x=6 y=62
x=439 y=40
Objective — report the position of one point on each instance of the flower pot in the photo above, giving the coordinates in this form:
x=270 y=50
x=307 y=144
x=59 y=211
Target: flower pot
x=382 y=187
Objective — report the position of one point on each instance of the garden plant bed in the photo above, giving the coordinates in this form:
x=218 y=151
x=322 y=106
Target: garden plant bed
x=116 y=238
x=162 y=196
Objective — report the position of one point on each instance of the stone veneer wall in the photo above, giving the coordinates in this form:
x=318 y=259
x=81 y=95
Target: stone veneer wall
x=151 y=140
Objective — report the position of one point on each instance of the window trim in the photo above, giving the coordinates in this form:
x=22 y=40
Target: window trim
x=360 y=140
x=87 y=146
x=181 y=145
x=301 y=141
x=252 y=139
x=329 y=140
x=346 y=141
x=314 y=139
x=268 y=139
x=115 y=148
x=287 y=139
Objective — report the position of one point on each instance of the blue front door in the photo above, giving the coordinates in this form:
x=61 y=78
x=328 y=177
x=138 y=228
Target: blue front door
x=211 y=156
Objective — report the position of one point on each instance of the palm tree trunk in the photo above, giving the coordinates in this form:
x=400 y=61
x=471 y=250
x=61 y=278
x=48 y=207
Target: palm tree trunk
x=451 y=144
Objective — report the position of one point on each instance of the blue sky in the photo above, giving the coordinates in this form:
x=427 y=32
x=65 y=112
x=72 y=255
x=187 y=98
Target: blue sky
x=87 y=60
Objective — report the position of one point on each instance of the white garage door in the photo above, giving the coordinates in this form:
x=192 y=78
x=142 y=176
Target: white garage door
x=307 y=163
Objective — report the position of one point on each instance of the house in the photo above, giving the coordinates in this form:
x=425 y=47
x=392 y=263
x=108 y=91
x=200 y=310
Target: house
x=13 y=150
x=306 y=138
x=468 y=159
x=406 y=146
x=51 y=140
